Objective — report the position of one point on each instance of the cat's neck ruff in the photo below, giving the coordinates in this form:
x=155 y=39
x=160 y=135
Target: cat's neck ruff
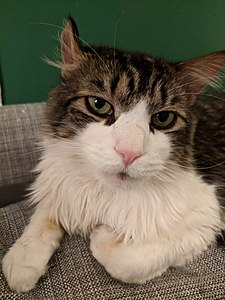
x=145 y=210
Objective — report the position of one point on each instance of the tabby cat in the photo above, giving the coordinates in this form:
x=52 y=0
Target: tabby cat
x=133 y=158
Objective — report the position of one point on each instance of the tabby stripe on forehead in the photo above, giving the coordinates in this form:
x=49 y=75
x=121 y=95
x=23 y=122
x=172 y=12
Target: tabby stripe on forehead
x=114 y=83
x=154 y=84
x=121 y=67
x=174 y=100
x=99 y=83
x=160 y=69
x=144 y=68
x=163 y=94
x=131 y=84
x=156 y=76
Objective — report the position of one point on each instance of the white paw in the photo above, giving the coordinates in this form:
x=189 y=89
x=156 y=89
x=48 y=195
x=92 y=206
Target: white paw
x=125 y=261
x=23 y=266
x=113 y=254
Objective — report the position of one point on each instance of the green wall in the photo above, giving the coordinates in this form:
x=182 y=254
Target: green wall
x=174 y=29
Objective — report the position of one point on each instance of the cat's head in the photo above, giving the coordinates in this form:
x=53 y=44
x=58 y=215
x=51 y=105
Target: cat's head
x=126 y=116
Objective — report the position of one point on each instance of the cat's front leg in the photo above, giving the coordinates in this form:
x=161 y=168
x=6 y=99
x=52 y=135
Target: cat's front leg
x=27 y=259
x=129 y=262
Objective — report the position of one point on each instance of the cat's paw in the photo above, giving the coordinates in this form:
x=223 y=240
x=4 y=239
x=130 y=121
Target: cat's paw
x=114 y=255
x=22 y=267
x=127 y=262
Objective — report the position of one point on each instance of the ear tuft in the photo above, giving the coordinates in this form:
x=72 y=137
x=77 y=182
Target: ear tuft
x=197 y=73
x=71 y=49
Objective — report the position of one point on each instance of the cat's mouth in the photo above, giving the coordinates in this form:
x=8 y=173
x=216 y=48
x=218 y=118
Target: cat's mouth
x=118 y=177
x=123 y=176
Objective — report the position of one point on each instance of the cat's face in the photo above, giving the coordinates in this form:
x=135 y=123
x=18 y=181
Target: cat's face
x=126 y=116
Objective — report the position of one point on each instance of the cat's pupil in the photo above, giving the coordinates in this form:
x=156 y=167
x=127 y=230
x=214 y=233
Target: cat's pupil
x=99 y=103
x=163 y=116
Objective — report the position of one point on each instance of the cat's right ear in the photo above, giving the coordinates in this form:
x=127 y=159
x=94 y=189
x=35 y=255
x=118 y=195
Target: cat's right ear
x=71 y=48
x=198 y=73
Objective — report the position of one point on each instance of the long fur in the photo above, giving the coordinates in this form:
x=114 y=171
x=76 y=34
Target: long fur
x=142 y=217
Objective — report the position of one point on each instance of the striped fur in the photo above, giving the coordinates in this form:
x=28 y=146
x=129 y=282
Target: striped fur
x=160 y=210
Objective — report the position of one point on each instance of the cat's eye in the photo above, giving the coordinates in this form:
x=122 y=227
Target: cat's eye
x=99 y=107
x=164 y=119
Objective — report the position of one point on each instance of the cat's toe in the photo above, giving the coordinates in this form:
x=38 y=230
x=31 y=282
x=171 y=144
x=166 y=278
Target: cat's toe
x=21 y=272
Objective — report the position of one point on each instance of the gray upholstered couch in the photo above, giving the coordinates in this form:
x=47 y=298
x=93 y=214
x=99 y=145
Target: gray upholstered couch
x=73 y=273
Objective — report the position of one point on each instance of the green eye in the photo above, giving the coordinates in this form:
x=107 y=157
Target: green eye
x=164 y=119
x=99 y=106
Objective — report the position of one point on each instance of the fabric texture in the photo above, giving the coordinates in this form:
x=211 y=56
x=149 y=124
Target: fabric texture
x=19 y=127
x=19 y=136
x=74 y=274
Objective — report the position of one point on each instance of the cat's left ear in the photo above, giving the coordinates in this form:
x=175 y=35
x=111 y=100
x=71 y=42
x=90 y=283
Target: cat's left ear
x=71 y=48
x=197 y=73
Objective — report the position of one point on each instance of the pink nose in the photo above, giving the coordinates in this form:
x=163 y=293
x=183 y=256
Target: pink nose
x=128 y=156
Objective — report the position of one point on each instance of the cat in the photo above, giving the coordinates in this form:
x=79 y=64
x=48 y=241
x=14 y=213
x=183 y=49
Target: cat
x=132 y=158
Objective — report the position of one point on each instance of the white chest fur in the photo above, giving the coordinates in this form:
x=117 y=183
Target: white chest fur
x=144 y=210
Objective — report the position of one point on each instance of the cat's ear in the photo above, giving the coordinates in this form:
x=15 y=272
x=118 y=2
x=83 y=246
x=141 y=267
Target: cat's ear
x=197 y=73
x=71 y=48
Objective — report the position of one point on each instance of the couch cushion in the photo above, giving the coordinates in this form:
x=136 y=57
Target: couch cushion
x=19 y=127
x=19 y=135
x=74 y=274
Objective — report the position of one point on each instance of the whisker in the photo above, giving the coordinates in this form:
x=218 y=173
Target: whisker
x=197 y=168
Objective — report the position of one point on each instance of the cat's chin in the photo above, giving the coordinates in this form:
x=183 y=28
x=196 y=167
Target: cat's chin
x=120 y=178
